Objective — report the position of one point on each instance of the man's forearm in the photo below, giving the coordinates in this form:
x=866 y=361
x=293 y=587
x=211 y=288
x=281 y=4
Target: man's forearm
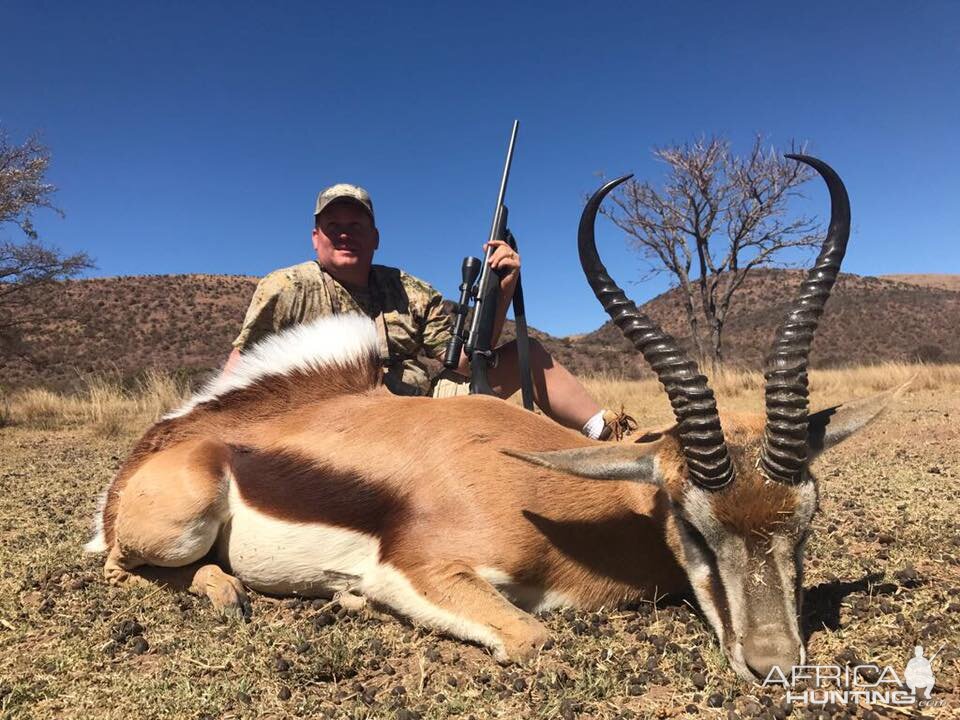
x=231 y=361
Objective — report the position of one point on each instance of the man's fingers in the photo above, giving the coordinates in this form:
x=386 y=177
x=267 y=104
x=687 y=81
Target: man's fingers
x=504 y=256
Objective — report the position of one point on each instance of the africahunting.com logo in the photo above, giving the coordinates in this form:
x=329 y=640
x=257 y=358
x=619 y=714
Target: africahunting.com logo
x=868 y=683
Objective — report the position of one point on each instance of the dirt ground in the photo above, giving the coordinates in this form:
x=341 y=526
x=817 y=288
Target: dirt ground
x=882 y=575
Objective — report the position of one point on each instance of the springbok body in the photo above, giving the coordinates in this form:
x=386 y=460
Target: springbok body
x=300 y=474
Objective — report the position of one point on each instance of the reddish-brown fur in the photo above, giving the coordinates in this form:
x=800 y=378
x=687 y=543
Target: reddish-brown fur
x=232 y=417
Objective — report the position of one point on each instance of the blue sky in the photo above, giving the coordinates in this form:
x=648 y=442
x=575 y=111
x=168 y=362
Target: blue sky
x=194 y=137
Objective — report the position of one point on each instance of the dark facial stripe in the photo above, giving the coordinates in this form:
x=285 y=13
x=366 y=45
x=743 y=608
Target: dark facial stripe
x=715 y=591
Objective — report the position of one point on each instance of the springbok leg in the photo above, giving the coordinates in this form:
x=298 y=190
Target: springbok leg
x=451 y=597
x=168 y=517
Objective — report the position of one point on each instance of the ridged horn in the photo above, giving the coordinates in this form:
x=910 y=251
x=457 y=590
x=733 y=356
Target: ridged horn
x=784 y=451
x=694 y=406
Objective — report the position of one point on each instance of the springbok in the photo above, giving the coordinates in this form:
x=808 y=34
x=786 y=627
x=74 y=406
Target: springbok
x=301 y=474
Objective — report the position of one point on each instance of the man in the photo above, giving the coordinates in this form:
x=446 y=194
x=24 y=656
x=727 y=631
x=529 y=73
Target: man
x=409 y=316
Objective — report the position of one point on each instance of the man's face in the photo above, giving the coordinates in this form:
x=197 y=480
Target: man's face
x=345 y=238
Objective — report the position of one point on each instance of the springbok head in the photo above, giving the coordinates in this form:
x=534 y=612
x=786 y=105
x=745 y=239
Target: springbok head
x=741 y=501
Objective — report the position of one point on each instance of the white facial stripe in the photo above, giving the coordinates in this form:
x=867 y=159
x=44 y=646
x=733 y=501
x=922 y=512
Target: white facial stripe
x=331 y=340
x=732 y=561
x=784 y=558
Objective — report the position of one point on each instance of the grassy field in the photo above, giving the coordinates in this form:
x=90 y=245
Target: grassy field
x=882 y=574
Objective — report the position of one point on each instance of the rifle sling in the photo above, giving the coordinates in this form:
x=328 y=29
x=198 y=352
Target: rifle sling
x=523 y=338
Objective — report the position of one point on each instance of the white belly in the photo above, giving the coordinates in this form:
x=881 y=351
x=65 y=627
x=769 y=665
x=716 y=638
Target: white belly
x=291 y=558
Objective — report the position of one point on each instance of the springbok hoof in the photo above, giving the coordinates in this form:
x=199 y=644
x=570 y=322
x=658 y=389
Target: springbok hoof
x=522 y=647
x=349 y=601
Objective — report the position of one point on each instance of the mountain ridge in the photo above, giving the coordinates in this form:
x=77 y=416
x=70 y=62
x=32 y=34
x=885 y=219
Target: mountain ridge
x=185 y=323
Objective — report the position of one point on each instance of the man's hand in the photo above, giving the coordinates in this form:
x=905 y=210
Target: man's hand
x=507 y=264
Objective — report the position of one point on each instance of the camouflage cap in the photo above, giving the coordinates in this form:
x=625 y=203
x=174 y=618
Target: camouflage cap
x=344 y=191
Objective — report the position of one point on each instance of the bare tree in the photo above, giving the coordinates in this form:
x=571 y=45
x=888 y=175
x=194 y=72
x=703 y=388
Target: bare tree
x=28 y=268
x=717 y=218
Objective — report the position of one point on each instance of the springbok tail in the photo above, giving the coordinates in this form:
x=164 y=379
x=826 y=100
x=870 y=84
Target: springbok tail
x=98 y=543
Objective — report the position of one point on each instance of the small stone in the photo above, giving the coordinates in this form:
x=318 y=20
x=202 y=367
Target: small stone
x=907 y=575
x=125 y=630
x=323 y=620
x=568 y=709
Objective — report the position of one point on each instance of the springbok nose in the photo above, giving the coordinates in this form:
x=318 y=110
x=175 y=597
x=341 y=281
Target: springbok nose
x=762 y=651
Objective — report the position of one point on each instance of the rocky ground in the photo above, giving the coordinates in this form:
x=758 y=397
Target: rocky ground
x=883 y=574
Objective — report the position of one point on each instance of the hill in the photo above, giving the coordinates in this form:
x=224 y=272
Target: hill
x=185 y=323
x=122 y=325
x=867 y=320
x=934 y=280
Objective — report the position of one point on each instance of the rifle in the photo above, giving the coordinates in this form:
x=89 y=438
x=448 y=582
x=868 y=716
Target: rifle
x=484 y=294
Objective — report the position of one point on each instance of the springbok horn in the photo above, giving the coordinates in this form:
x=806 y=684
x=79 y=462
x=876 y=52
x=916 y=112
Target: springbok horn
x=701 y=436
x=784 y=451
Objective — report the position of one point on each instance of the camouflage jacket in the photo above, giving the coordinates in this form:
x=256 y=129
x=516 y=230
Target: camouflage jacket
x=412 y=313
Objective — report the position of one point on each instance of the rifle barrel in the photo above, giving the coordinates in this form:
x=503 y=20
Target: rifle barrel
x=503 y=182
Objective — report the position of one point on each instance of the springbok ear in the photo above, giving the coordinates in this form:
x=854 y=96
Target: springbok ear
x=606 y=462
x=834 y=425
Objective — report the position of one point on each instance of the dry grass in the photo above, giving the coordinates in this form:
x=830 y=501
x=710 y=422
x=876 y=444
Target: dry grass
x=742 y=390
x=103 y=405
x=882 y=573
